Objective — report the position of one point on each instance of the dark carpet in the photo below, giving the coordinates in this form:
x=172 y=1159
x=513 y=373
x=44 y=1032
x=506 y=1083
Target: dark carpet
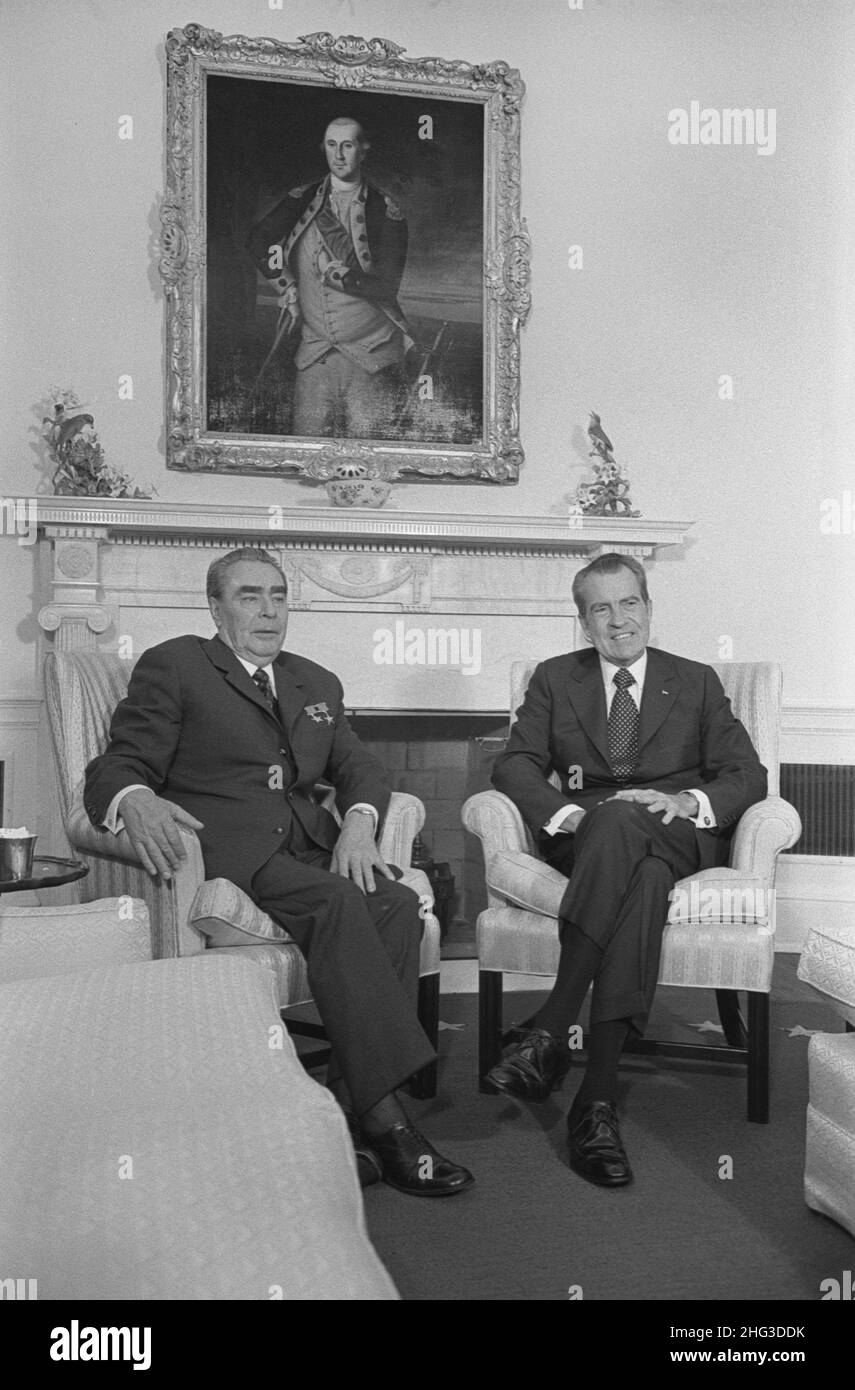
x=530 y=1229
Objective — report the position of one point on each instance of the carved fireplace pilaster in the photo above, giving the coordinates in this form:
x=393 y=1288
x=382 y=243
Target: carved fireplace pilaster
x=75 y=613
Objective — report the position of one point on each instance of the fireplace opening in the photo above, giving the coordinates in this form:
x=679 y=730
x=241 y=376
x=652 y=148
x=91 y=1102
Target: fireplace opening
x=442 y=759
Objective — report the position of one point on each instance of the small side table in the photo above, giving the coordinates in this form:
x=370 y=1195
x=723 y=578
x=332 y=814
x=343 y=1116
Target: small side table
x=48 y=872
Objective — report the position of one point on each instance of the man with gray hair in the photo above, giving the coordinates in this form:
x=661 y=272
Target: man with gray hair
x=655 y=772
x=229 y=735
x=336 y=251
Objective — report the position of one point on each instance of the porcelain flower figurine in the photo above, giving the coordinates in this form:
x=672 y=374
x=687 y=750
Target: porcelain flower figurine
x=81 y=468
x=608 y=494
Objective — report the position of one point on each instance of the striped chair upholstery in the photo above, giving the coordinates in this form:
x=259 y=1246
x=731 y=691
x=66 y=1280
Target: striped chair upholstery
x=729 y=950
x=82 y=689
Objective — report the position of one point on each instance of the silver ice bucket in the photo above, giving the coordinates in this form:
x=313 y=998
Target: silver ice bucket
x=16 y=856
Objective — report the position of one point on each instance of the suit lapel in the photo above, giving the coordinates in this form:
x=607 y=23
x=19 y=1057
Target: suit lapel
x=308 y=215
x=589 y=701
x=290 y=693
x=237 y=675
x=661 y=689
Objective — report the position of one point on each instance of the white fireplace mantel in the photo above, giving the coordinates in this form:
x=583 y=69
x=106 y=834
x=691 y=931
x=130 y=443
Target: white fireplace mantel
x=313 y=524
x=413 y=610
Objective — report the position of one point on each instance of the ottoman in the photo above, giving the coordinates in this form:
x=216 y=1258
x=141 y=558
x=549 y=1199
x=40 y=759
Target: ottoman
x=159 y=1139
x=830 y=1149
x=828 y=964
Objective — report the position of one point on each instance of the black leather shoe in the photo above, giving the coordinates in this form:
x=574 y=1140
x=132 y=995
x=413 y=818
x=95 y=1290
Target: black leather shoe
x=594 y=1143
x=368 y=1165
x=534 y=1068
x=411 y=1164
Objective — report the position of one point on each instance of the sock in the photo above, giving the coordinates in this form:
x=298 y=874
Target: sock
x=605 y=1044
x=577 y=965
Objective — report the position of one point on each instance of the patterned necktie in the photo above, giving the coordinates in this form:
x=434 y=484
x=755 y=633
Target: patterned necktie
x=623 y=727
x=262 y=680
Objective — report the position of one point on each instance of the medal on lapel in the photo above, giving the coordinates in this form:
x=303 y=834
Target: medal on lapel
x=319 y=713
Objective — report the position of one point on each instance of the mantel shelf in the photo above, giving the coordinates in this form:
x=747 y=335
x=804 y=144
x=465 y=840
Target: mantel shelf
x=381 y=528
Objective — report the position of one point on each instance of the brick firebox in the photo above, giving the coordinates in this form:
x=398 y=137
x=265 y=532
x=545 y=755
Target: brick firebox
x=442 y=759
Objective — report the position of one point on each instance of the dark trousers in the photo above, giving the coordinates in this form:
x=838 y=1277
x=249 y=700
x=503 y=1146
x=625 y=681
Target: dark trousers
x=622 y=864
x=362 y=953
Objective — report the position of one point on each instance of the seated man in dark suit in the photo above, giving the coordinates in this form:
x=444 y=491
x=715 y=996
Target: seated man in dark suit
x=655 y=772
x=229 y=735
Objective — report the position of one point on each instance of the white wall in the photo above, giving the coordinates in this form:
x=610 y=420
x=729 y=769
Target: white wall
x=697 y=262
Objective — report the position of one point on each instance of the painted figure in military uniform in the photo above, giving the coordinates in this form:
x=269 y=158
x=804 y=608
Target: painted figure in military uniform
x=336 y=252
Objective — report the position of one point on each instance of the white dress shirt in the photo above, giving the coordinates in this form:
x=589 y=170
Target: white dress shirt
x=113 y=821
x=705 y=819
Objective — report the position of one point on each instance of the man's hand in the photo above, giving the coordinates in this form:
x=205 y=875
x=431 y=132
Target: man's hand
x=682 y=806
x=335 y=274
x=571 y=823
x=152 y=826
x=356 y=854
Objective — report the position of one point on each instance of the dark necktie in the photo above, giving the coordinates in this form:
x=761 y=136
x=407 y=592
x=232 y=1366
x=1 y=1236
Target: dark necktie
x=623 y=727
x=262 y=680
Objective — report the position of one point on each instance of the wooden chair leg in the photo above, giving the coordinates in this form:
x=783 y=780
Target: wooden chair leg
x=489 y=1024
x=319 y=1056
x=735 y=1032
x=423 y=1084
x=758 y=1058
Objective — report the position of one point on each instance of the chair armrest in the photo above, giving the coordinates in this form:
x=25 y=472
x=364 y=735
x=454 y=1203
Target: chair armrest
x=523 y=881
x=494 y=818
x=169 y=903
x=404 y=819
x=763 y=832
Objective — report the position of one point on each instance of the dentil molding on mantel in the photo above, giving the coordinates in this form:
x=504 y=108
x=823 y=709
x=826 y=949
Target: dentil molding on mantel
x=98 y=518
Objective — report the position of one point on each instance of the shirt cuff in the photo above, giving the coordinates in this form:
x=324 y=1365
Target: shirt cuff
x=113 y=821
x=705 y=819
x=365 y=806
x=552 y=825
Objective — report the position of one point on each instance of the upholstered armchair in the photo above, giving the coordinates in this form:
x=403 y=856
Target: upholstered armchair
x=728 y=949
x=191 y=914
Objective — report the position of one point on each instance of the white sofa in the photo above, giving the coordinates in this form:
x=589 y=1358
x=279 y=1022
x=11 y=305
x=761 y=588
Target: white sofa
x=159 y=1138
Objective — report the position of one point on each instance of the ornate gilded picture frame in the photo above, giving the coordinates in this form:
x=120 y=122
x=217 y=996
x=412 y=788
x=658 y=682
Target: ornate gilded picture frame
x=345 y=266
